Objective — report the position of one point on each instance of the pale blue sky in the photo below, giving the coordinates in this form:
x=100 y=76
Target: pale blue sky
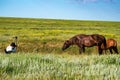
x=105 y=10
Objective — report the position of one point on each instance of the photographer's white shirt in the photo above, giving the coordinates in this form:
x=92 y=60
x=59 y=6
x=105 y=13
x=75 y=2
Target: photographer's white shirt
x=10 y=48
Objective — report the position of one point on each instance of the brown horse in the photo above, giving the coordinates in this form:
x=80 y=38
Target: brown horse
x=111 y=44
x=83 y=41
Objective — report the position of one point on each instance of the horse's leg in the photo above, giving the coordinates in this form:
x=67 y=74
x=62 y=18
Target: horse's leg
x=105 y=51
x=81 y=49
x=100 y=50
x=110 y=49
x=115 y=49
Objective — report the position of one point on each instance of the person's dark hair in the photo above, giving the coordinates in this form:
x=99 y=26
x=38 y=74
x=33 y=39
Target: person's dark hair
x=13 y=44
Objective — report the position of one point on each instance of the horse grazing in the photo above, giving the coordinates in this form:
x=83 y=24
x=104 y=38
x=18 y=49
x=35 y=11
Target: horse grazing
x=82 y=41
x=111 y=44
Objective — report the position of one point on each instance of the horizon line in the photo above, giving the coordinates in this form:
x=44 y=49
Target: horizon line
x=60 y=19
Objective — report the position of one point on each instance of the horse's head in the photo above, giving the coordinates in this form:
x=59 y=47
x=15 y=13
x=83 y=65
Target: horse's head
x=67 y=43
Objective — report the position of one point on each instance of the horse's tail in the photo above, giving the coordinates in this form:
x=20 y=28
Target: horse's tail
x=104 y=43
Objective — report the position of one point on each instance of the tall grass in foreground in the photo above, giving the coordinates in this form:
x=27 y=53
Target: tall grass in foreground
x=59 y=67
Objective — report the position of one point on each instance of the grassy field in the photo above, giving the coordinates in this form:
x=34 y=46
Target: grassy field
x=59 y=67
x=45 y=35
x=39 y=55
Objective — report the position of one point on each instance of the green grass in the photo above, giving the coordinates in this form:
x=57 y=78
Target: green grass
x=59 y=67
x=47 y=35
x=39 y=55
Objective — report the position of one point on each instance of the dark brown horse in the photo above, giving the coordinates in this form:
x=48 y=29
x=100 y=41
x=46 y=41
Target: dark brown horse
x=83 y=41
x=111 y=44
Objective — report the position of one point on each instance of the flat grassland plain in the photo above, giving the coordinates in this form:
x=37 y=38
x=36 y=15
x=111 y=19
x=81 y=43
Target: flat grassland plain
x=39 y=55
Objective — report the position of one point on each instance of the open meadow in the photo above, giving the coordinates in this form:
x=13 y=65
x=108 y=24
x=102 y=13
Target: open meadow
x=39 y=55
